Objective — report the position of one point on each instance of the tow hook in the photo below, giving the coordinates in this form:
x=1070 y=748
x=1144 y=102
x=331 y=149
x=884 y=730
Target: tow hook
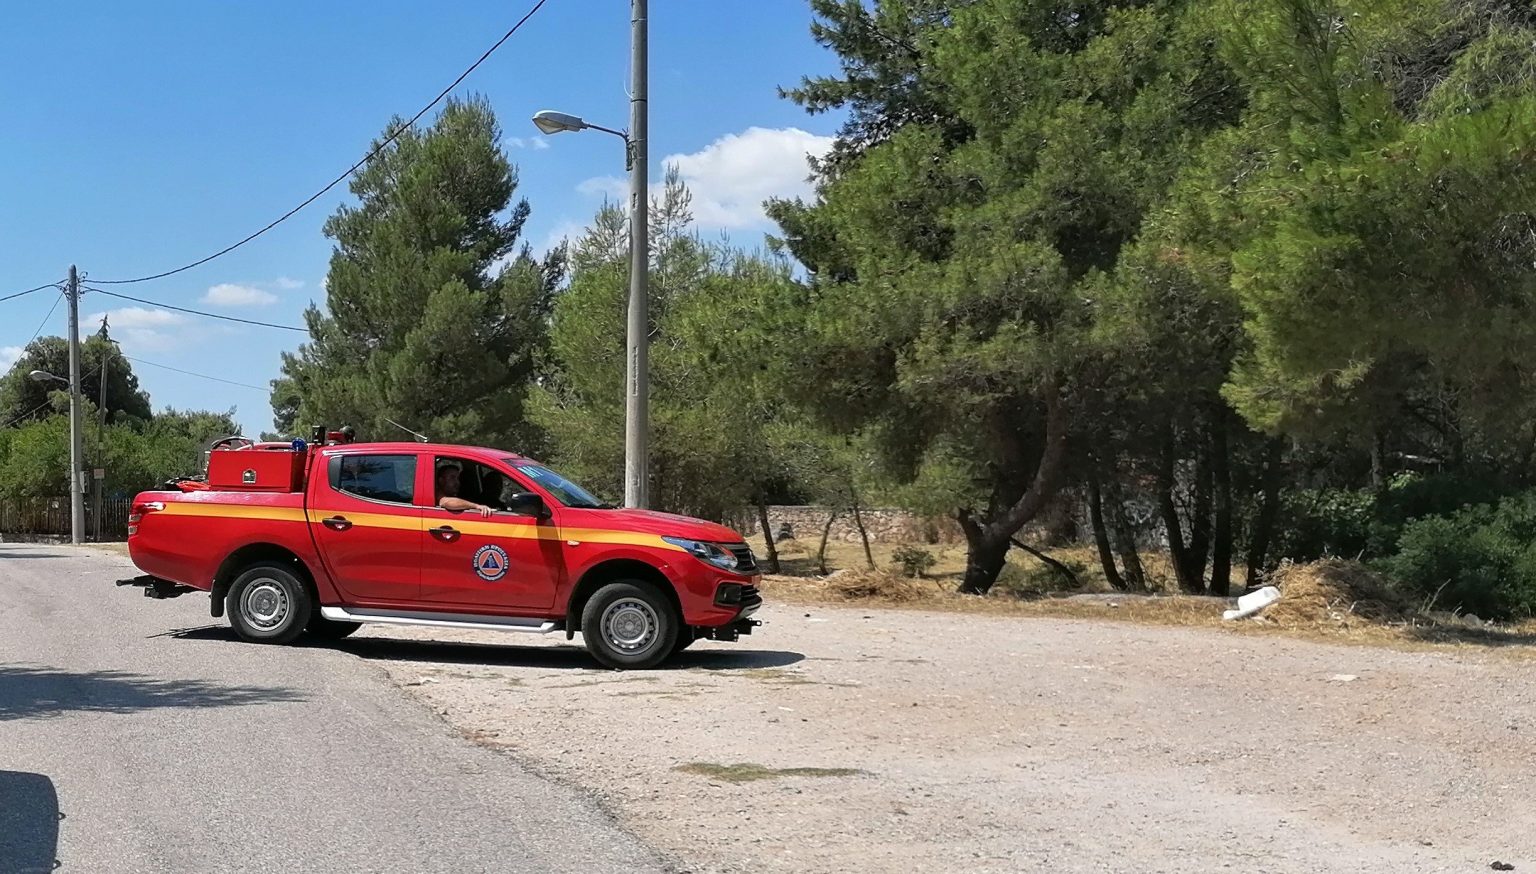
x=156 y=588
x=733 y=631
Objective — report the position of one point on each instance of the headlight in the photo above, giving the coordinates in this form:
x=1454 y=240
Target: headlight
x=713 y=553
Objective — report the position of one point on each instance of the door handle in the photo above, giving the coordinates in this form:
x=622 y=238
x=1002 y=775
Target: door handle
x=336 y=523
x=445 y=533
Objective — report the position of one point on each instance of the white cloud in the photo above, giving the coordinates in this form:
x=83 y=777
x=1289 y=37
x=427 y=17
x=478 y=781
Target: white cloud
x=610 y=187
x=288 y=284
x=537 y=144
x=231 y=295
x=565 y=230
x=9 y=355
x=137 y=328
x=731 y=177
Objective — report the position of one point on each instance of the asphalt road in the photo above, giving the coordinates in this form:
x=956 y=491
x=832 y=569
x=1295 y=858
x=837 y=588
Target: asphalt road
x=133 y=737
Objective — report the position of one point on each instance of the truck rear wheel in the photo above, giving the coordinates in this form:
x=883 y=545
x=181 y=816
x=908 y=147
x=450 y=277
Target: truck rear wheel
x=267 y=603
x=630 y=624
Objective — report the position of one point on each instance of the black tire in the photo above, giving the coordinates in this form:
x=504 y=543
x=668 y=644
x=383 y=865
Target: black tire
x=630 y=624
x=268 y=603
x=685 y=639
x=323 y=629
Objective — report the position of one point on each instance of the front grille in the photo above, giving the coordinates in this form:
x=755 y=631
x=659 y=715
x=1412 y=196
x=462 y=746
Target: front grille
x=746 y=562
x=750 y=597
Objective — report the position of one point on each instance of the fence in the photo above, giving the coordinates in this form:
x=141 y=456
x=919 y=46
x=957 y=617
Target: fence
x=48 y=518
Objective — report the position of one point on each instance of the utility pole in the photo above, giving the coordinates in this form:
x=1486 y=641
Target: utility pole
x=76 y=468
x=98 y=485
x=637 y=396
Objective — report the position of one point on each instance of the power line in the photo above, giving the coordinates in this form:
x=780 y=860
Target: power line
x=28 y=291
x=27 y=414
x=44 y=322
x=198 y=375
x=178 y=309
x=350 y=170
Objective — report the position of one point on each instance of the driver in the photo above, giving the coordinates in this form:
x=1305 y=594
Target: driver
x=448 y=475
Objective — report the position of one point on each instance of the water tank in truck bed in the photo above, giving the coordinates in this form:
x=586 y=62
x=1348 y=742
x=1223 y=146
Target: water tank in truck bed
x=256 y=470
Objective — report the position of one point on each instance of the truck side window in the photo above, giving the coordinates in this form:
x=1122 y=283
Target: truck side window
x=390 y=478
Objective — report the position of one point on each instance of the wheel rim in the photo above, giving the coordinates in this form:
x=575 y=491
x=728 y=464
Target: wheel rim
x=264 y=604
x=630 y=625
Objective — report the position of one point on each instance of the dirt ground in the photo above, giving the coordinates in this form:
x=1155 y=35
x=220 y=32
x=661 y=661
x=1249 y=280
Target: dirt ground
x=856 y=739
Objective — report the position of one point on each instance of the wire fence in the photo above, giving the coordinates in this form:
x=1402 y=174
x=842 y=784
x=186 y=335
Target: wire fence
x=48 y=518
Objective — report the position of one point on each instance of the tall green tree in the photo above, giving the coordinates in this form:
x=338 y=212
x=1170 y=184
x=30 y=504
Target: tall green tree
x=24 y=399
x=956 y=257
x=434 y=317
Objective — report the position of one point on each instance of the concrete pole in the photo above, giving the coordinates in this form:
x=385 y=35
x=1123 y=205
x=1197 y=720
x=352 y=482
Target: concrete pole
x=637 y=381
x=76 y=455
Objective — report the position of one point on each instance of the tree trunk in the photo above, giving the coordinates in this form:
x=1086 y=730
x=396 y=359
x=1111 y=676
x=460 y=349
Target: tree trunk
x=1054 y=565
x=821 y=552
x=985 y=555
x=1101 y=534
x=773 y=549
x=1125 y=542
x=858 y=522
x=1200 y=521
x=987 y=542
x=1378 y=462
x=1269 y=508
x=1178 y=554
x=1221 y=471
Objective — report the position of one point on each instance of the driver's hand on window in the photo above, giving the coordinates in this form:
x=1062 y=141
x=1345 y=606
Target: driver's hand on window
x=485 y=512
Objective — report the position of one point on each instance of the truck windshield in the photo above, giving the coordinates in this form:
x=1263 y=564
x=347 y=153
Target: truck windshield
x=566 y=491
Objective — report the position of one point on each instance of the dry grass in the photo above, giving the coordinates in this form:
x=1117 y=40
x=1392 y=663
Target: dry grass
x=1334 y=593
x=747 y=772
x=1333 y=601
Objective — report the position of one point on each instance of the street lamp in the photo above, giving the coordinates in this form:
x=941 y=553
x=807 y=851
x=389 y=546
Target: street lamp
x=637 y=382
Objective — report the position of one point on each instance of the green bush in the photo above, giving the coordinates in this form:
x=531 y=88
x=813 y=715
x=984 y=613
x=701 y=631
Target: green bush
x=914 y=560
x=1356 y=523
x=1319 y=523
x=1480 y=560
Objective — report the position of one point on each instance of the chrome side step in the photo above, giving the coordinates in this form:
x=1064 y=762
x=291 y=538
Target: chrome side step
x=467 y=621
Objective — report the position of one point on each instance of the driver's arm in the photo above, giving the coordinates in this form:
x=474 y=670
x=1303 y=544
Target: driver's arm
x=459 y=505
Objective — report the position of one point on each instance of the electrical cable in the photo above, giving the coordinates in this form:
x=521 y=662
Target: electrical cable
x=194 y=312
x=198 y=375
x=28 y=291
x=350 y=170
x=44 y=322
x=27 y=414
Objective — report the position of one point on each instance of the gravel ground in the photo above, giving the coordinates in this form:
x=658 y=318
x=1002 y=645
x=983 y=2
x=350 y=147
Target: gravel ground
x=1005 y=744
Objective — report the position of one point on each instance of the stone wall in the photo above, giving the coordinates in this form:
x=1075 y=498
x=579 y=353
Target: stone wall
x=883 y=525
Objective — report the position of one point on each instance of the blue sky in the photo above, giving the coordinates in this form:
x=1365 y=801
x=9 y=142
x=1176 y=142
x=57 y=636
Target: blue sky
x=139 y=137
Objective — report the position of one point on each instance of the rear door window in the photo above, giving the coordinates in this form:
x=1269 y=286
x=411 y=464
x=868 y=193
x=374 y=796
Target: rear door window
x=388 y=478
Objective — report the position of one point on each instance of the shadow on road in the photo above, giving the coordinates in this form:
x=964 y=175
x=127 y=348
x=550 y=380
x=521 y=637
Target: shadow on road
x=8 y=554
x=1490 y=637
x=30 y=691
x=509 y=655
x=29 y=823
x=558 y=657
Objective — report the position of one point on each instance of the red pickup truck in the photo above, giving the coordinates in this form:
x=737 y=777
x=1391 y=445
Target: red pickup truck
x=317 y=538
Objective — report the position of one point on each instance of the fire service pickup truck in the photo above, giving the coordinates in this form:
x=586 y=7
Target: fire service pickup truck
x=316 y=538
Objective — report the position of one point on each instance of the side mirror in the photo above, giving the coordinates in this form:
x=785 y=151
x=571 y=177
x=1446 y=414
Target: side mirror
x=527 y=504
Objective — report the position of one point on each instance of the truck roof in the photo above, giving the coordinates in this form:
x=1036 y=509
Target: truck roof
x=443 y=448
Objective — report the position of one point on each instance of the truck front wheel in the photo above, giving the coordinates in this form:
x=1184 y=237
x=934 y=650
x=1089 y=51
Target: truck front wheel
x=267 y=603
x=630 y=624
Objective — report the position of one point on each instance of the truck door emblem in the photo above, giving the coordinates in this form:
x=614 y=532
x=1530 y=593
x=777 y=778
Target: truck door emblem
x=490 y=562
x=249 y=477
